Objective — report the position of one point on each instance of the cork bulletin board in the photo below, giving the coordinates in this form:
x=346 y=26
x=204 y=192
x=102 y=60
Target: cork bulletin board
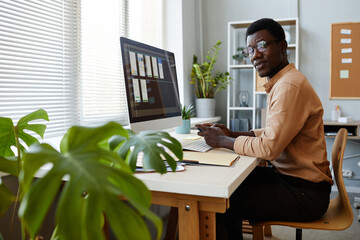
x=345 y=61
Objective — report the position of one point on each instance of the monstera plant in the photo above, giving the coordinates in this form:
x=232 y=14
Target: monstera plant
x=89 y=175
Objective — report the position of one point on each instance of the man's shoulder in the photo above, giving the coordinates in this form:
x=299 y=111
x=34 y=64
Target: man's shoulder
x=295 y=78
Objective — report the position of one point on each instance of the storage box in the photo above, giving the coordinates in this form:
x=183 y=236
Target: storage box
x=345 y=119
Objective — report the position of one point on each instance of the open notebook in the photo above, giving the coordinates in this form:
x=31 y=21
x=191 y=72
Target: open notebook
x=219 y=156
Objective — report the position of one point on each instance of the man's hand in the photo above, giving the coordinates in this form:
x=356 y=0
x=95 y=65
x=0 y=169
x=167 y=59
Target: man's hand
x=214 y=136
x=225 y=130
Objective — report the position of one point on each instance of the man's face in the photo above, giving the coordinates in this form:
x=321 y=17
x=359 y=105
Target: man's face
x=273 y=59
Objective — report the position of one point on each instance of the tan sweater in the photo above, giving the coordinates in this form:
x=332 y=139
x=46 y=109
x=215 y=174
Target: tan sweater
x=293 y=138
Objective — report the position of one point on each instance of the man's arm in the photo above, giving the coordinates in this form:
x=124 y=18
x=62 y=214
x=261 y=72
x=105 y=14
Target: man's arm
x=237 y=134
x=218 y=135
x=226 y=131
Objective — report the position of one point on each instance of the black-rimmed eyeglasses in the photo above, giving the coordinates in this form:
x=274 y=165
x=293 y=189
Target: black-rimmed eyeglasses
x=260 y=47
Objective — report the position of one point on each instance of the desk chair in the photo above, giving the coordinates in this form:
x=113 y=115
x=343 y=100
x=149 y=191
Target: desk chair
x=339 y=215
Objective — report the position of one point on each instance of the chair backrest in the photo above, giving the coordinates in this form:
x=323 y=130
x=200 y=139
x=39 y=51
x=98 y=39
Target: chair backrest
x=342 y=200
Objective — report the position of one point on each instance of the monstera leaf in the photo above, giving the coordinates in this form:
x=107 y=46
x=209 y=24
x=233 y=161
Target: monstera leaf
x=10 y=136
x=95 y=177
x=10 y=133
x=6 y=198
x=153 y=145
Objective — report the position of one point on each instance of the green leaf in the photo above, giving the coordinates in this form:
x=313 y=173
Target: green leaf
x=47 y=188
x=79 y=137
x=55 y=235
x=7 y=137
x=92 y=187
x=189 y=111
x=38 y=128
x=130 y=225
x=155 y=220
x=206 y=82
x=9 y=165
x=116 y=141
x=23 y=124
x=6 y=198
x=151 y=144
x=8 y=132
x=198 y=72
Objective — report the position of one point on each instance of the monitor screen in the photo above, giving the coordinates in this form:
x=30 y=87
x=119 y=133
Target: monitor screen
x=151 y=86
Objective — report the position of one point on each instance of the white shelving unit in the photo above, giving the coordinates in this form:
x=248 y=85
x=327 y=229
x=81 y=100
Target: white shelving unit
x=245 y=77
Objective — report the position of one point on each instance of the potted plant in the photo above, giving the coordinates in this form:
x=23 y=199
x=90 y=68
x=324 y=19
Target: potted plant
x=239 y=57
x=187 y=112
x=92 y=170
x=207 y=82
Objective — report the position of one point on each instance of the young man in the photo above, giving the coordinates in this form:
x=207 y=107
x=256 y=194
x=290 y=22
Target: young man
x=297 y=185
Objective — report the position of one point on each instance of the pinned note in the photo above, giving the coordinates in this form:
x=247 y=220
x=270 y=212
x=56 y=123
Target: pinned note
x=346 y=50
x=346 y=60
x=345 y=40
x=344 y=74
x=345 y=31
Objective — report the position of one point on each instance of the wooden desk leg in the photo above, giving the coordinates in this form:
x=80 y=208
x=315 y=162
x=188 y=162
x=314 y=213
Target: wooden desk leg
x=267 y=231
x=258 y=232
x=188 y=220
x=208 y=225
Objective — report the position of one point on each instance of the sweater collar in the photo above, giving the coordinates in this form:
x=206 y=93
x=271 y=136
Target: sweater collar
x=268 y=86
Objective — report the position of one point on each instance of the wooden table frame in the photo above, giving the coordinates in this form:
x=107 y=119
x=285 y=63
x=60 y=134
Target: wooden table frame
x=195 y=214
x=198 y=194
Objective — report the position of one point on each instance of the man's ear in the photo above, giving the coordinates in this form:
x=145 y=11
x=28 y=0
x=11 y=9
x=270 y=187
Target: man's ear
x=284 y=45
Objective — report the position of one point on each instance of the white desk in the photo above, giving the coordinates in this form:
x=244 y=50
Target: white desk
x=198 y=193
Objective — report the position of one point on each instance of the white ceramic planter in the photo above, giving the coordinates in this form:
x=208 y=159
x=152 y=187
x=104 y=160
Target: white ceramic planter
x=205 y=107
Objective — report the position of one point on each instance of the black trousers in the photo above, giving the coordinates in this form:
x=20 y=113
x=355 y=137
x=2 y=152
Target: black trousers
x=268 y=195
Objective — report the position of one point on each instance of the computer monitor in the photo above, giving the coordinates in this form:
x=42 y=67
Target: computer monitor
x=151 y=86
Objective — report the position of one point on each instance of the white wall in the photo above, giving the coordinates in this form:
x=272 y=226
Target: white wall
x=192 y=43
x=182 y=25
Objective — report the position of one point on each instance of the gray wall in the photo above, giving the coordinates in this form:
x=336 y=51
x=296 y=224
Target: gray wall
x=315 y=21
x=192 y=43
x=315 y=18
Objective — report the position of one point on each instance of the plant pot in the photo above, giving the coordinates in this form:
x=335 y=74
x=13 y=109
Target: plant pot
x=205 y=107
x=184 y=128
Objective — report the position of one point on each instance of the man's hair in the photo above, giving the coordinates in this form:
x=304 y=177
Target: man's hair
x=269 y=24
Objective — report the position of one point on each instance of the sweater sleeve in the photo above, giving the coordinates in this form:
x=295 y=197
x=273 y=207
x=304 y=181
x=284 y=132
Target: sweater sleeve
x=287 y=114
x=257 y=132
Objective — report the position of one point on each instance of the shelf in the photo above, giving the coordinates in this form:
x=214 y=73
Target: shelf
x=349 y=137
x=291 y=46
x=241 y=108
x=260 y=93
x=335 y=123
x=241 y=66
x=245 y=24
x=245 y=78
x=332 y=127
